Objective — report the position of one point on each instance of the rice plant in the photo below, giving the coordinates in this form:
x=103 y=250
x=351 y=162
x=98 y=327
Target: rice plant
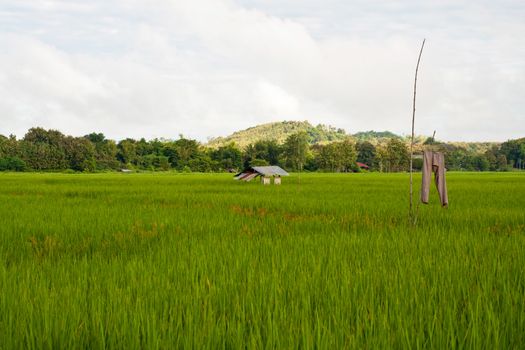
x=159 y=261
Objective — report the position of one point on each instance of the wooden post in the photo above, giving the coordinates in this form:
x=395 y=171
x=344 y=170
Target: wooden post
x=410 y=211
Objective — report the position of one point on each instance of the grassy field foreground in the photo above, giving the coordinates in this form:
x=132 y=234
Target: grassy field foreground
x=202 y=261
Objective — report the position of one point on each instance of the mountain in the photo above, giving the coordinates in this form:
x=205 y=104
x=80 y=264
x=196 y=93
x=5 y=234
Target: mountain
x=279 y=131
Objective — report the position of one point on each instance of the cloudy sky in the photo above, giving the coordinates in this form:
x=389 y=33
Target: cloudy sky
x=202 y=68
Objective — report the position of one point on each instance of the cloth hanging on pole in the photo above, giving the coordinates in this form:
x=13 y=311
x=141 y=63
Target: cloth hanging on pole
x=434 y=162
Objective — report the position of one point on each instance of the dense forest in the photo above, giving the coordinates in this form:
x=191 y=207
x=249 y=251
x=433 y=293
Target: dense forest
x=50 y=150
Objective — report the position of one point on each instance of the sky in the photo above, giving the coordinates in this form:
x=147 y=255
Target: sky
x=206 y=68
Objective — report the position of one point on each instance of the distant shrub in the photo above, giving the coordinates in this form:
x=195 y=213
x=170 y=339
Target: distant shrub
x=3 y=164
x=186 y=169
x=89 y=166
x=12 y=164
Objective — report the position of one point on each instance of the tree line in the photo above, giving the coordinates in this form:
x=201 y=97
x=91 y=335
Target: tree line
x=50 y=150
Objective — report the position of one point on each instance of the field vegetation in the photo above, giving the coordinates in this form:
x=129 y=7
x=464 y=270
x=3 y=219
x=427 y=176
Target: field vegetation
x=167 y=260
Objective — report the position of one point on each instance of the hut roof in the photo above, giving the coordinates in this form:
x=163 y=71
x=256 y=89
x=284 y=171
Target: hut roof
x=270 y=170
x=362 y=165
x=252 y=172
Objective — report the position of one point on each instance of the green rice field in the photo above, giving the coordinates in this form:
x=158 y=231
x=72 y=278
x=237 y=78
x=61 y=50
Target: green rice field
x=325 y=261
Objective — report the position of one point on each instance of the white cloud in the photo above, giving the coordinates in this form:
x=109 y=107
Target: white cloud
x=209 y=67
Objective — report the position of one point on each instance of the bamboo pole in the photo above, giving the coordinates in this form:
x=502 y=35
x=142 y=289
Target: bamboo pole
x=411 y=211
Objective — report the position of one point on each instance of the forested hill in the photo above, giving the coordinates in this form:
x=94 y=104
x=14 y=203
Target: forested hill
x=279 y=131
x=322 y=134
x=374 y=135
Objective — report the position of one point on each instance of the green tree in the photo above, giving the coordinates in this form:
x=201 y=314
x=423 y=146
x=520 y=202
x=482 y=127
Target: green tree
x=327 y=157
x=481 y=163
x=201 y=162
x=491 y=155
x=502 y=164
x=227 y=157
x=337 y=157
x=143 y=148
x=181 y=152
x=105 y=151
x=3 y=146
x=248 y=155
x=295 y=150
x=162 y=163
x=514 y=151
x=155 y=162
x=96 y=138
x=80 y=153
x=10 y=147
x=455 y=159
x=397 y=156
x=12 y=164
x=44 y=149
x=127 y=152
x=366 y=153
x=268 y=150
x=347 y=155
